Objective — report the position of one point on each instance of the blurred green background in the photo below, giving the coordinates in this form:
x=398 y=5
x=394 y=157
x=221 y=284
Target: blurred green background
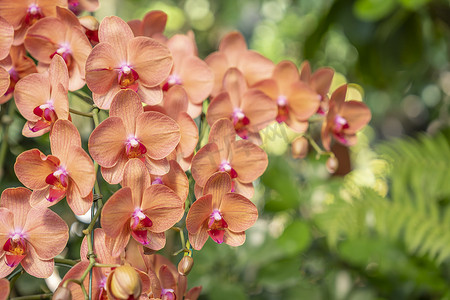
x=379 y=230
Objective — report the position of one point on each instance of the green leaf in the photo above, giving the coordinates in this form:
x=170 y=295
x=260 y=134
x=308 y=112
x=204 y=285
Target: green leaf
x=295 y=238
x=373 y=10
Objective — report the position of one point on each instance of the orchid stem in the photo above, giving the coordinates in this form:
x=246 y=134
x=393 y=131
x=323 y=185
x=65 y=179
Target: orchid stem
x=14 y=278
x=85 y=98
x=316 y=147
x=34 y=297
x=80 y=113
x=64 y=262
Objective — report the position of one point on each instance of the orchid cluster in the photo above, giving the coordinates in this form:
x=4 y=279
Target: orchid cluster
x=158 y=93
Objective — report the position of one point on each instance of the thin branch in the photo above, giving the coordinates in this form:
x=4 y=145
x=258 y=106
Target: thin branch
x=80 y=113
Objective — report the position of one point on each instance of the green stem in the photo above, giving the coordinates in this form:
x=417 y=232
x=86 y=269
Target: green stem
x=34 y=297
x=85 y=98
x=14 y=278
x=65 y=262
x=317 y=148
x=80 y=113
x=6 y=122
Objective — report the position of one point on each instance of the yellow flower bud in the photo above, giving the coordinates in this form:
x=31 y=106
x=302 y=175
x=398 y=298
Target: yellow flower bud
x=62 y=293
x=300 y=147
x=124 y=283
x=185 y=265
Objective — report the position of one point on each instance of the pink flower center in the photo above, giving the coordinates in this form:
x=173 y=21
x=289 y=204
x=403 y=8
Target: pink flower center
x=65 y=52
x=15 y=249
x=59 y=182
x=240 y=122
x=34 y=13
x=340 y=124
x=226 y=167
x=158 y=180
x=216 y=226
x=134 y=148
x=139 y=224
x=168 y=294
x=172 y=80
x=47 y=114
x=128 y=78
x=283 y=110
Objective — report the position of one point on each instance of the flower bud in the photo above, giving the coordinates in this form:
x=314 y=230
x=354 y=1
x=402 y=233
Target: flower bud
x=124 y=283
x=62 y=293
x=299 y=147
x=185 y=265
x=332 y=164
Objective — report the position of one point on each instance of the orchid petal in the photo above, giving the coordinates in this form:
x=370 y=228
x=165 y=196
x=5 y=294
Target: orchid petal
x=162 y=206
x=239 y=212
x=35 y=266
x=205 y=162
x=137 y=177
x=159 y=134
x=117 y=211
x=116 y=32
x=127 y=106
x=198 y=213
x=17 y=201
x=150 y=59
x=234 y=238
x=248 y=160
x=217 y=185
x=47 y=232
x=107 y=142
x=78 y=202
x=32 y=167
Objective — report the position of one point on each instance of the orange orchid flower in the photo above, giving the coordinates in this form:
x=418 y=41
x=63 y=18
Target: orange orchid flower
x=69 y=41
x=344 y=119
x=68 y=172
x=166 y=281
x=99 y=275
x=175 y=105
x=190 y=72
x=220 y=214
x=129 y=133
x=122 y=61
x=295 y=100
x=242 y=160
x=22 y=14
x=18 y=65
x=250 y=109
x=42 y=98
x=30 y=236
x=320 y=82
x=233 y=53
x=152 y=25
x=141 y=210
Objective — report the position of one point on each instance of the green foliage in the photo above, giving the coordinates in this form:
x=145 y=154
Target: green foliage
x=405 y=232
